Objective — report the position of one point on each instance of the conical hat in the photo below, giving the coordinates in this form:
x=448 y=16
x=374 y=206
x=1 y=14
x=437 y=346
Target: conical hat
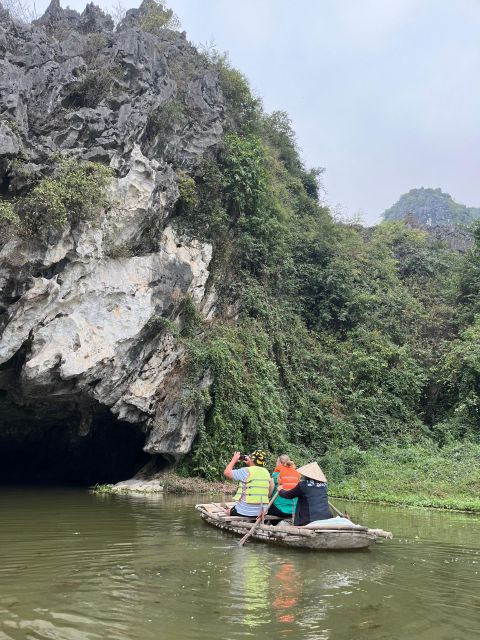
x=313 y=471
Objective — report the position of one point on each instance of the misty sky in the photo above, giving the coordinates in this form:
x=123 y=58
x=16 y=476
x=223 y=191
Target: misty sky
x=384 y=94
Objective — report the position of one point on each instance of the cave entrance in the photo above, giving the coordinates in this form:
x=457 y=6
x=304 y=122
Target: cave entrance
x=60 y=452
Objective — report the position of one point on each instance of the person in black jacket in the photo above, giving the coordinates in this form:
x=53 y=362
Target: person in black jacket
x=312 y=496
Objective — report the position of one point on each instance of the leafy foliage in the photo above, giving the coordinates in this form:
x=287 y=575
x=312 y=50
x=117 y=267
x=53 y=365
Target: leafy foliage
x=8 y=214
x=460 y=374
x=279 y=133
x=246 y=408
x=243 y=110
x=344 y=337
x=158 y=18
x=75 y=192
x=243 y=173
x=187 y=190
x=89 y=90
x=234 y=205
x=200 y=210
x=162 y=123
x=9 y=220
x=468 y=286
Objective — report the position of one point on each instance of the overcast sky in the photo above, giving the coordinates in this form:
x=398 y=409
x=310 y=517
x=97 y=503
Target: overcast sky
x=384 y=94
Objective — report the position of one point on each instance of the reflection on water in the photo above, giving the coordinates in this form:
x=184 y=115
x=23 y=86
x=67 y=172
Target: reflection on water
x=75 y=566
x=285 y=586
x=249 y=590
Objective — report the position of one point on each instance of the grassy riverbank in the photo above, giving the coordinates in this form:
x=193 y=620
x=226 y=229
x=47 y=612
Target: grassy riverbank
x=417 y=475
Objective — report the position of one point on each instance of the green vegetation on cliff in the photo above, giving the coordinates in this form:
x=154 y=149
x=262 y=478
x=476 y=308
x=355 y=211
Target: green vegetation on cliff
x=431 y=207
x=76 y=191
x=345 y=339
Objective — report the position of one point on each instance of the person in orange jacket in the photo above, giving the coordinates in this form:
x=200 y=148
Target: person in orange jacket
x=286 y=476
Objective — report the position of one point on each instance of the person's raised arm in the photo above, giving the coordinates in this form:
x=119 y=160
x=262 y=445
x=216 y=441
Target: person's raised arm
x=228 y=471
x=296 y=492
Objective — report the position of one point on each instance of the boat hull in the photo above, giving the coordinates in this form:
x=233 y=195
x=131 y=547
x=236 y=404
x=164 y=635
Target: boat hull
x=289 y=536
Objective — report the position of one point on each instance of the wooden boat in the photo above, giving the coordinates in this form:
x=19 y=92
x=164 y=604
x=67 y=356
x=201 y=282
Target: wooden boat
x=319 y=536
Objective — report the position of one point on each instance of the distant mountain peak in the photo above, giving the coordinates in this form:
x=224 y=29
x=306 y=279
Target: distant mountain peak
x=431 y=207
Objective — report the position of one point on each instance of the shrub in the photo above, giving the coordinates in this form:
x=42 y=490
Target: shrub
x=162 y=123
x=158 y=324
x=460 y=377
x=90 y=90
x=417 y=474
x=187 y=190
x=243 y=173
x=233 y=204
x=200 y=210
x=278 y=129
x=247 y=410
x=75 y=192
x=9 y=220
x=94 y=43
x=158 y=18
x=191 y=317
x=7 y=213
x=242 y=108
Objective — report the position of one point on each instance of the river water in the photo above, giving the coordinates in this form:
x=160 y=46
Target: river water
x=80 y=567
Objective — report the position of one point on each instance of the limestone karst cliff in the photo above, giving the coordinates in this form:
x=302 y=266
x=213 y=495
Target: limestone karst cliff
x=78 y=304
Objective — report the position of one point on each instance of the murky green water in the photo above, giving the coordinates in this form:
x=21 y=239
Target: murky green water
x=76 y=566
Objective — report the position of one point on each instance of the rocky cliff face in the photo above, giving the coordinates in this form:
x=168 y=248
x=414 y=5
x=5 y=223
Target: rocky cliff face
x=82 y=310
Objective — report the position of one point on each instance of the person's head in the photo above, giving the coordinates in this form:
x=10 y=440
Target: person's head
x=285 y=461
x=258 y=458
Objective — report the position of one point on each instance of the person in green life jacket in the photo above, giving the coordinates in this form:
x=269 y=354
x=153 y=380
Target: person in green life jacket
x=286 y=476
x=254 y=484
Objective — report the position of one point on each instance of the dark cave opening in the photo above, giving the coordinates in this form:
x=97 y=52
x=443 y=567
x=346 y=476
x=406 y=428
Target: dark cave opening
x=61 y=452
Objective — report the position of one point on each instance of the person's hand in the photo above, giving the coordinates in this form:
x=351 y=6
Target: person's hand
x=236 y=457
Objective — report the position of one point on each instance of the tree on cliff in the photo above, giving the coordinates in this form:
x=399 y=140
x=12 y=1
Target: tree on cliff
x=157 y=17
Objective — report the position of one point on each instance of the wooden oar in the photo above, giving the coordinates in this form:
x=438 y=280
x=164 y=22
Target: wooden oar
x=257 y=521
x=339 y=513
